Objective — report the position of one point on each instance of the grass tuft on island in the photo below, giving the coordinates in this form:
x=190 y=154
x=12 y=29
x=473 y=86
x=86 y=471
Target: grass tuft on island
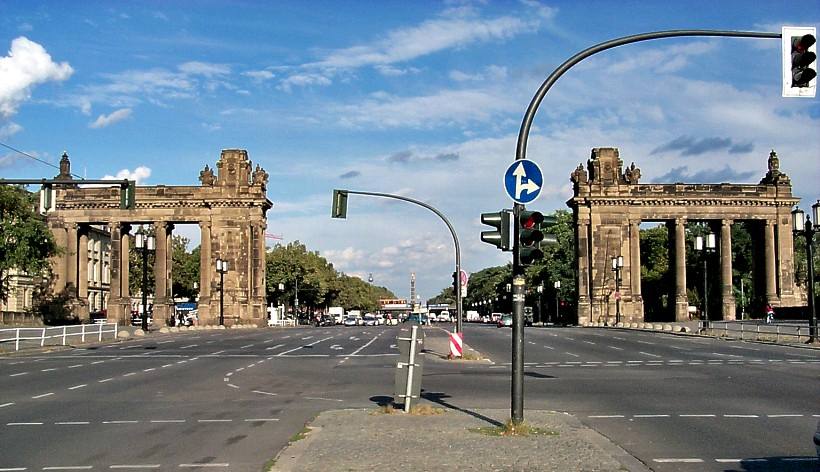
x=514 y=430
x=415 y=410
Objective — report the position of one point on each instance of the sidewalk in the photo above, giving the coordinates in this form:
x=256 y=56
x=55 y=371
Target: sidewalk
x=372 y=440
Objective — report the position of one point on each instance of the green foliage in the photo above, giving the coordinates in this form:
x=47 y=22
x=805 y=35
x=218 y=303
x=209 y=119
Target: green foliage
x=185 y=269
x=53 y=310
x=26 y=244
x=656 y=278
x=320 y=285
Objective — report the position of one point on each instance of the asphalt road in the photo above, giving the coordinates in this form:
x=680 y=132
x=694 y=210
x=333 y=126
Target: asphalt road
x=675 y=402
x=230 y=400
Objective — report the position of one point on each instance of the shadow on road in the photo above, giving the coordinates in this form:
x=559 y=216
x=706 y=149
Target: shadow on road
x=438 y=398
x=778 y=464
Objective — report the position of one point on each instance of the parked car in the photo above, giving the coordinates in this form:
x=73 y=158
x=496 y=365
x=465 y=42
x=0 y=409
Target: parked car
x=505 y=321
x=136 y=319
x=98 y=316
x=370 y=320
x=380 y=319
x=350 y=321
x=444 y=317
x=325 y=320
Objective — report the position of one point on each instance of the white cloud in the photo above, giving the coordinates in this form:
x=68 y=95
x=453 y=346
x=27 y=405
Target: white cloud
x=659 y=59
x=9 y=129
x=444 y=107
x=106 y=120
x=26 y=65
x=303 y=80
x=204 y=68
x=25 y=27
x=140 y=174
x=259 y=74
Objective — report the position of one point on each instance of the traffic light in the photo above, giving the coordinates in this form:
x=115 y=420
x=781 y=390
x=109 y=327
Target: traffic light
x=799 y=61
x=549 y=238
x=46 y=199
x=339 y=204
x=128 y=197
x=456 y=282
x=530 y=236
x=500 y=237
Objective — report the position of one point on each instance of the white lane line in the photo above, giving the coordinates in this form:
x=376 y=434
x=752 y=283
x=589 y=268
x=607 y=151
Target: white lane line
x=18 y=374
x=697 y=416
x=549 y=347
x=167 y=421
x=190 y=345
x=167 y=365
x=75 y=366
x=6 y=404
x=571 y=354
x=213 y=421
x=23 y=424
x=322 y=398
x=149 y=370
x=97 y=362
x=589 y=342
x=261 y=419
x=42 y=396
x=69 y=467
x=264 y=393
x=741 y=416
x=311 y=344
x=247 y=346
x=129 y=374
x=616 y=348
x=106 y=380
x=121 y=422
x=232 y=386
x=648 y=354
x=785 y=416
x=725 y=461
x=605 y=416
x=48 y=370
x=645 y=342
x=306 y=338
x=12 y=469
x=688 y=460
x=72 y=422
x=274 y=347
x=134 y=466
x=680 y=348
x=202 y=464
x=166 y=342
x=651 y=416
x=217 y=352
x=726 y=355
x=77 y=386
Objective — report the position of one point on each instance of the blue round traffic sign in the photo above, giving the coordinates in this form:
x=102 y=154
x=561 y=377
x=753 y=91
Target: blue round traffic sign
x=523 y=181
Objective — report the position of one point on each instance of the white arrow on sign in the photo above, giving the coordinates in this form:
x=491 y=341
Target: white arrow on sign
x=520 y=187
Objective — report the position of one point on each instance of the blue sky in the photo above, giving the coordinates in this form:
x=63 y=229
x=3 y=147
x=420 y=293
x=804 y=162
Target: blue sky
x=422 y=99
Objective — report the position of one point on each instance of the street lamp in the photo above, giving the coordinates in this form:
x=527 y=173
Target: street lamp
x=706 y=245
x=557 y=286
x=617 y=265
x=144 y=242
x=802 y=225
x=222 y=268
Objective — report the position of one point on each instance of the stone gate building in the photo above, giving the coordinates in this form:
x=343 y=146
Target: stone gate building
x=609 y=205
x=230 y=209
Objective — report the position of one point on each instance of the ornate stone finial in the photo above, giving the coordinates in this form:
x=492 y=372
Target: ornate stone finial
x=605 y=166
x=65 y=168
x=579 y=175
x=774 y=176
x=632 y=174
x=207 y=176
x=233 y=168
x=260 y=177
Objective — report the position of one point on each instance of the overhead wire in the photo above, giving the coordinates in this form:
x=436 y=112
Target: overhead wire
x=37 y=159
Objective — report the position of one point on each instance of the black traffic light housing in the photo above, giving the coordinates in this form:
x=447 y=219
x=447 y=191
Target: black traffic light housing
x=339 y=209
x=799 y=49
x=530 y=236
x=802 y=59
x=500 y=237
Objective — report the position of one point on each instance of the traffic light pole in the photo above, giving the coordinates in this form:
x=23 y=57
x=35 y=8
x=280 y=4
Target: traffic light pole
x=517 y=410
x=457 y=288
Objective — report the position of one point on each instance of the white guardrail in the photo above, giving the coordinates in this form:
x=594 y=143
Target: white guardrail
x=57 y=335
x=794 y=332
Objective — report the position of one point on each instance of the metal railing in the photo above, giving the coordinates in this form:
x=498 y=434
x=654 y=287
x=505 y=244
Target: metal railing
x=55 y=336
x=781 y=331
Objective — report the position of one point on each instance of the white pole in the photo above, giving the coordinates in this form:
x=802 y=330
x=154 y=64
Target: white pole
x=17 y=342
x=83 y=333
x=43 y=337
x=100 y=337
x=409 y=390
x=63 y=335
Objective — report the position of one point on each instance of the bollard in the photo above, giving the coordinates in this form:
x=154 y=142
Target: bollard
x=83 y=333
x=43 y=337
x=409 y=390
x=17 y=341
x=100 y=337
x=63 y=335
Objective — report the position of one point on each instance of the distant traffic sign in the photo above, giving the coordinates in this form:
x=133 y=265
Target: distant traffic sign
x=523 y=181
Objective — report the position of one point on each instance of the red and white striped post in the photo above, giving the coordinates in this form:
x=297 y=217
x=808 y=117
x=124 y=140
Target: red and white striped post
x=456 y=345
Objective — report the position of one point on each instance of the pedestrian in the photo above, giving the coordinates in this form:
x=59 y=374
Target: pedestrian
x=769 y=313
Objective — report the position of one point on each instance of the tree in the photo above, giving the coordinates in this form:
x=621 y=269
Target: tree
x=656 y=281
x=185 y=268
x=26 y=244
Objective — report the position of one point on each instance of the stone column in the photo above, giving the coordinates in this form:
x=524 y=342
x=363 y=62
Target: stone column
x=728 y=294
x=785 y=260
x=635 y=269
x=681 y=299
x=204 y=302
x=161 y=311
x=169 y=263
x=258 y=312
x=82 y=268
x=71 y=260
x=58 y=262
x=116 y=309
x=125 y=264
x=771 y=281
x=582 y=236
